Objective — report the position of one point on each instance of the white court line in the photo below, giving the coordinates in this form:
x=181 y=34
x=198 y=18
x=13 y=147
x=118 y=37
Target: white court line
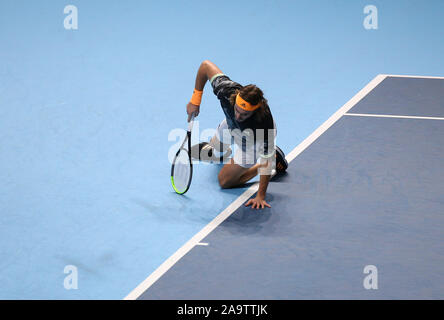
x=202 y=244
x=390 y=116
x=197 y=238
x=406 y=76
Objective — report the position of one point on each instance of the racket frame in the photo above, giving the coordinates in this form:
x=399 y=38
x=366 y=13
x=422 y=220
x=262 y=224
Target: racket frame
x=187 y=139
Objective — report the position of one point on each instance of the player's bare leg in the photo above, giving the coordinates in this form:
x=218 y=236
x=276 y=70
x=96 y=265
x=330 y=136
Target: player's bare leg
x=233 y=175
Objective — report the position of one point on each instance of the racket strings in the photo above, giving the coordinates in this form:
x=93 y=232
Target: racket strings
x=182 y=171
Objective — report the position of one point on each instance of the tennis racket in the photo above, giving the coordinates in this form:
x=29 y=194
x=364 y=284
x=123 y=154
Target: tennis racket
x=182 y=167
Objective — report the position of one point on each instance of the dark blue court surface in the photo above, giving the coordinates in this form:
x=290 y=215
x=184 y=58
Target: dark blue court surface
x=405 y=96
x=368 y=191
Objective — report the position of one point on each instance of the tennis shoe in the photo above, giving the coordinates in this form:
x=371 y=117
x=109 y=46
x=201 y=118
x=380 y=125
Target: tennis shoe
x=205 y=152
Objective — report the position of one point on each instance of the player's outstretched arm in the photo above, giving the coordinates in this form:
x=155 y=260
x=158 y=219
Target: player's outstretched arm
x=206 y=71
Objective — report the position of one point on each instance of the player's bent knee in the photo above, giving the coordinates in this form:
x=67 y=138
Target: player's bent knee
x=224 y=183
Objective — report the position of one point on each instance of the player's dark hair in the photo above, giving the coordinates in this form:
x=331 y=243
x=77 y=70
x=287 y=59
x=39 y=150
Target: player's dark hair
x=252 y=94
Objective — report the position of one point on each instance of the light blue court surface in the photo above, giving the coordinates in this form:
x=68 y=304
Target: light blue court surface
x=85 y=120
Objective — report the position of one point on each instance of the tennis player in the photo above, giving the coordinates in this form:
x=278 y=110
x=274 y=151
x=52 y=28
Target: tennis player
x=248 y=123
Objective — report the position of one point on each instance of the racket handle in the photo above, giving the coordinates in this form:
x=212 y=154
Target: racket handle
x=190 y=124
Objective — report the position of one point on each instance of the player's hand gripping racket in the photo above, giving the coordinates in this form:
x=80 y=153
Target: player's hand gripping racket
x=182 y=167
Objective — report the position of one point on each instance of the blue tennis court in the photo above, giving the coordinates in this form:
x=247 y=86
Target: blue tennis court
x=91 y=111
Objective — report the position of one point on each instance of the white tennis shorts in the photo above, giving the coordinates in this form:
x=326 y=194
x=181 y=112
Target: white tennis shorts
x=246 y=156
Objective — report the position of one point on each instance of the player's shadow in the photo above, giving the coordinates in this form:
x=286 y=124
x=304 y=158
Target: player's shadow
x=263 y=222
x=268 y=221
x=280 y=177
x=245 y=220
